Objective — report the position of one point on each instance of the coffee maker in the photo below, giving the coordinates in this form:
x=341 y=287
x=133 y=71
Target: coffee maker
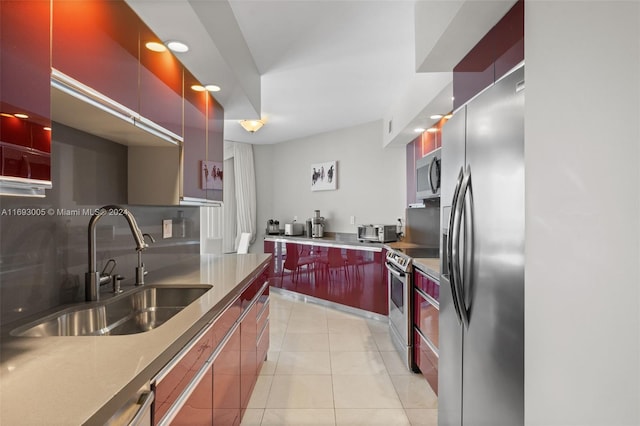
x=317 y=225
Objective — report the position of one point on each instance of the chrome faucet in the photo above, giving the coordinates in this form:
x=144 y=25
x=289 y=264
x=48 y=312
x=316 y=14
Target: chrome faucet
x=93 y=278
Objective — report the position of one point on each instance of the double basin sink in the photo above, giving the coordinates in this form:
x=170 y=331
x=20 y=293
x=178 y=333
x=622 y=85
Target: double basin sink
x=142 y=310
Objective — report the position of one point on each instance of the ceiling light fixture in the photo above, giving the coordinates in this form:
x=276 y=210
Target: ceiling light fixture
x=47 y=128
x=448 y=116
x=155 y=46
x=177 y=46
x=419 y=129
x=212 y=88
x=252 y=126
x=20 y=115
x=432 y=129
x=198 y=88
x=436 y=116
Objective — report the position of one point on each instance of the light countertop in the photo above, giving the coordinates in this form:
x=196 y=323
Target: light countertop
x=85 y=379
x=428 y=265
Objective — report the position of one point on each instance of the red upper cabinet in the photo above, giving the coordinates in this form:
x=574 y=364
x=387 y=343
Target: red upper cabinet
x=160 y=85
x=25 y=72
x=195 y=139
x=500 y=50
x=215 y=147
x=96 y=43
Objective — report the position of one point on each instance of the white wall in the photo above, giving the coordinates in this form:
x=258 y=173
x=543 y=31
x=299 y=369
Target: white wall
x=582 y=331
x=371 y=179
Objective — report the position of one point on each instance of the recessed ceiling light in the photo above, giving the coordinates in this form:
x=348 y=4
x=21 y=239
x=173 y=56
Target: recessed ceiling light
x=418 y=129
x=4 y=114
x=212 y=88
x=448 y=116
x=198 y=88
x=48 y=129
x=436 y=116
x=156 y=46
x=432 y=129
x=20 y=115
x=177 y=46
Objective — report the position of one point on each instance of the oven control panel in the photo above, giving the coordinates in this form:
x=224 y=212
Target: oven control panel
x=399 y=260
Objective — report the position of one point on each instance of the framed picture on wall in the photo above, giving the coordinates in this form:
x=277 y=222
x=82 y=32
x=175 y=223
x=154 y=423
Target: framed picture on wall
x=324 y=176
x=211 y=172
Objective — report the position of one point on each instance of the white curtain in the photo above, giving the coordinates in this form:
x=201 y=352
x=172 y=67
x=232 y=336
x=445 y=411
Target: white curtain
x=245 y=188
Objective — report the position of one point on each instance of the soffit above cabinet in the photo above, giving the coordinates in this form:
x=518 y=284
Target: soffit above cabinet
x=78 y=106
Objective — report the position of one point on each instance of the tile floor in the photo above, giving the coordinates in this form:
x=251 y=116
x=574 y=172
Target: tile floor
x=326 y=367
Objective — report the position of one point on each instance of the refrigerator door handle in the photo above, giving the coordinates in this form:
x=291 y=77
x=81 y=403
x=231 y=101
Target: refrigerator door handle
x=451 y=247
x=466 y=198
x=456 y=271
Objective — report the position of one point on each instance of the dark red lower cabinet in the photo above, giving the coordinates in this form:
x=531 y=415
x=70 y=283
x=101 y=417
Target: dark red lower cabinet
x=226 y=383
x=350 y=277
x=426 y=360
x=248 y=351
x=197 y=410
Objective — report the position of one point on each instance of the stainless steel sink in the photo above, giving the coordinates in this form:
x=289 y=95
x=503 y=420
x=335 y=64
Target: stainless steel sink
x=142 y=310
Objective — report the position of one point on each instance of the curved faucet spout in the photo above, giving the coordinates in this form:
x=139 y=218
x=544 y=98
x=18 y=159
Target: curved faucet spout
x=92 y=277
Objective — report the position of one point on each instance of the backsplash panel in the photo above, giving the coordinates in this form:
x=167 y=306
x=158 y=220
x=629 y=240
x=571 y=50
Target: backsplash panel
x=44 y=242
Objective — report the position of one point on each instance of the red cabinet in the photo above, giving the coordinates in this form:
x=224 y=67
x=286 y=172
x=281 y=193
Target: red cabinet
x=197 y=409
x=227 y=382
x=195 y=139
x=160 y=85
x=426 y=293
x=210 y=381
x=215 y=147
x=171 y=384
x=501 y=49
x=25 y=72
x=96 y=42
x=248 y=354
x=348 y=276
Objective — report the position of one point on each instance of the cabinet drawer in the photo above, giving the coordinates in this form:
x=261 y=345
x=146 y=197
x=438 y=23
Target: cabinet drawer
x=263 y=345
x=198 y=408
x=426 y=315
x=426 y=359
x=427 y=284
x=173 y=382
x=263 y=317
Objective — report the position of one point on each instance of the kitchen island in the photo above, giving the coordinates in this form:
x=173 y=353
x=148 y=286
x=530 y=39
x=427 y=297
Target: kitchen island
x=86 y=379
x=337 y=269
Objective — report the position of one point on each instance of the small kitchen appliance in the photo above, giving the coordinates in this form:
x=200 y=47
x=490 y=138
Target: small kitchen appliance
x=317 y=225
x=293 y=229
x=377 y=233
x=273 y=227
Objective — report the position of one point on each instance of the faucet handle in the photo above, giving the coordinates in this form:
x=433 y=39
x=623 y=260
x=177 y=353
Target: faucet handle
x=109 y=267
x=153 y=240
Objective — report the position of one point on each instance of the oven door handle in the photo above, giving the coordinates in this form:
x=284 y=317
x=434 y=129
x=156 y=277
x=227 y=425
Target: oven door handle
x=394 y=271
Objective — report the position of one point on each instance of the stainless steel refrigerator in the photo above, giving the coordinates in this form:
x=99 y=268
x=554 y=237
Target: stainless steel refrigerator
x=481 y=359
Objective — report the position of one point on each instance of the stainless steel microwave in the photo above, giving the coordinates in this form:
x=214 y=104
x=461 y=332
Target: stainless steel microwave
x=428 y=175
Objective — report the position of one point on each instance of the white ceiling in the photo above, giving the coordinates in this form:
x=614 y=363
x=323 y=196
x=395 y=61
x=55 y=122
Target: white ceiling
x=306 y=66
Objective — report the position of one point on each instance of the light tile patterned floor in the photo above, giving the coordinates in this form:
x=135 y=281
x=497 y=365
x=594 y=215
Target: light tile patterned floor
x=326 y=367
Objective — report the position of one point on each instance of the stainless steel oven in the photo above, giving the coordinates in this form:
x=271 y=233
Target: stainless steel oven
x=399 y=273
